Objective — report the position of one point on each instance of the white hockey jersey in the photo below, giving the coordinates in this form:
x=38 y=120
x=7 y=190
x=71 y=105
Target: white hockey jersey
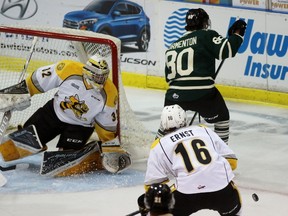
x=76 y=101
x=194 y=156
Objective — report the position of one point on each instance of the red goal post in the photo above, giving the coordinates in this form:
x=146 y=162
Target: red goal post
x=55 y=44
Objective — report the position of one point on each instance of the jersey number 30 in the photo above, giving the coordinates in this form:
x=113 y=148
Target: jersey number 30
x=181 y=63
x=201 y=152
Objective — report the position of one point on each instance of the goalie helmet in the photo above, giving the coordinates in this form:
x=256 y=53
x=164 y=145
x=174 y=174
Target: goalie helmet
x=173 y=117
x=197 y=19
x=159 y=199
x=96 y=70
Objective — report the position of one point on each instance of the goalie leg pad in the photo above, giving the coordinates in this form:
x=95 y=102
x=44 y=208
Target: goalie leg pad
x=21 y=143
x=9 y=151
x=71 y=162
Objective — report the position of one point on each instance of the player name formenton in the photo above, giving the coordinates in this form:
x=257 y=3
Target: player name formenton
x=184 y=43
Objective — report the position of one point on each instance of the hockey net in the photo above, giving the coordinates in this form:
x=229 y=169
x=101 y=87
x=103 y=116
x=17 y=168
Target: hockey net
x=53 y=45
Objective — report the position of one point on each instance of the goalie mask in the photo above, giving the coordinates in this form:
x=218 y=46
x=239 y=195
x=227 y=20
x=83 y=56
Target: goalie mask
x=159 y=199
x=173 y=117
x=96 y=70
x=197 y=19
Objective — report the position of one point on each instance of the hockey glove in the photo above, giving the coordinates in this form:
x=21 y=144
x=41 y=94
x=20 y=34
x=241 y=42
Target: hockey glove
x=238 y=27
x=114 y=158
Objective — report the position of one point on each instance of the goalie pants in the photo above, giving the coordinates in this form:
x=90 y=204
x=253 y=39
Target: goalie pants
x=48 y=126
x=226 y=201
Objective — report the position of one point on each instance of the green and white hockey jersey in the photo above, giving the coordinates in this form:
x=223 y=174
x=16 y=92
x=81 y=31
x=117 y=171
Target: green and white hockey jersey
x=190 y=63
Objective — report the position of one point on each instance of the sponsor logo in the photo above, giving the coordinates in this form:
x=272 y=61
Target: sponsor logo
x=19 y=9
x=175 y=96
x=201 y=187
x=175 y=26
x=138 y=61
x=267 y=44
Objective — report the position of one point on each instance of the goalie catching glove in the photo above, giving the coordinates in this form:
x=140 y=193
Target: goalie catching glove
x=15 y=98
x=114 y=158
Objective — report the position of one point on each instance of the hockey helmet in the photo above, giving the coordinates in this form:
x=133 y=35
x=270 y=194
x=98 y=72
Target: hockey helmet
x=173 y=117
x=96 y=70
x=159 y=199
x=197 y=19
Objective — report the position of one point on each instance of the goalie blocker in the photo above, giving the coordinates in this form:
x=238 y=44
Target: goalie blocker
x=15 y=98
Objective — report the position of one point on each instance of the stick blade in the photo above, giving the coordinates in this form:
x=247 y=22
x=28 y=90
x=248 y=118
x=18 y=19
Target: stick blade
x=3 y=180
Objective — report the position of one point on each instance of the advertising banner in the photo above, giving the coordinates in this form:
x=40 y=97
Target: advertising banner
x=148 y=27
x=280 y=5
x=261 y=61
x=254 y=4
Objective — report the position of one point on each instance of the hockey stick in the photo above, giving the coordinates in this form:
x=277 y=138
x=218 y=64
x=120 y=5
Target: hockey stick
x=7 y=115
x=3 y=180
x=215 y=75
x=134 y=213
x=14 y=167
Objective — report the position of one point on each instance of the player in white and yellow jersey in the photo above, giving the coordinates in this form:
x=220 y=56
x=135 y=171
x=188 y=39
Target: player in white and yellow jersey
x=199 y=161
x=86 y=100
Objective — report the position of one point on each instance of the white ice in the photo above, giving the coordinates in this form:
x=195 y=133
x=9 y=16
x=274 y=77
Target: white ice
x=258 y=137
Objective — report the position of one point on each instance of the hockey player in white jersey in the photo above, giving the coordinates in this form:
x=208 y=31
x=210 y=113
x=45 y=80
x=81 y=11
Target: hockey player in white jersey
x=199 y=161
x=86 y=100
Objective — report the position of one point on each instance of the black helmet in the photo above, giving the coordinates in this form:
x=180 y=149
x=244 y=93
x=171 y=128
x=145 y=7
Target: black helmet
x=159 y=199
x=197 y=19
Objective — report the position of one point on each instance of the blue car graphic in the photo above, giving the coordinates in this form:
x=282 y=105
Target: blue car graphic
x=123 y=19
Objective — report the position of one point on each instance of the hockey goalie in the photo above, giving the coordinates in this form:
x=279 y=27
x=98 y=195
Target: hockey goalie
x=85 y=101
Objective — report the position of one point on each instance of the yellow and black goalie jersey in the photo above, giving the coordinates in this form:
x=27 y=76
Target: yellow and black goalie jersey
x=76 y=101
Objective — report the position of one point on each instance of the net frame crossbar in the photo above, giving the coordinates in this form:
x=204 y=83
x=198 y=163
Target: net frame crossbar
x=72 y=36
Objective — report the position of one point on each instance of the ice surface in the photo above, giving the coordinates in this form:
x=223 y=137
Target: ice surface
x=258 y=137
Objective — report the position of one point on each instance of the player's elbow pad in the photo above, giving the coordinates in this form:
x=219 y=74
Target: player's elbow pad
x=233 y=163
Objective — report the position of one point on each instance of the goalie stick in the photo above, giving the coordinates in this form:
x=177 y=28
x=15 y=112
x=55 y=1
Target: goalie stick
x=134 y=213
x=3 y=180
x=7 y=115
x=215 y=75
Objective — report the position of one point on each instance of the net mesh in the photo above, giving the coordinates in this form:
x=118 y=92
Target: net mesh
x=55 y=44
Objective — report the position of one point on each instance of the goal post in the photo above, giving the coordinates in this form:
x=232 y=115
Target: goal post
x=55 y=44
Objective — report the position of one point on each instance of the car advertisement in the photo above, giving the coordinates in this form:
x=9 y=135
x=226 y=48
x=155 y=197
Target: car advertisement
x=147 y=27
